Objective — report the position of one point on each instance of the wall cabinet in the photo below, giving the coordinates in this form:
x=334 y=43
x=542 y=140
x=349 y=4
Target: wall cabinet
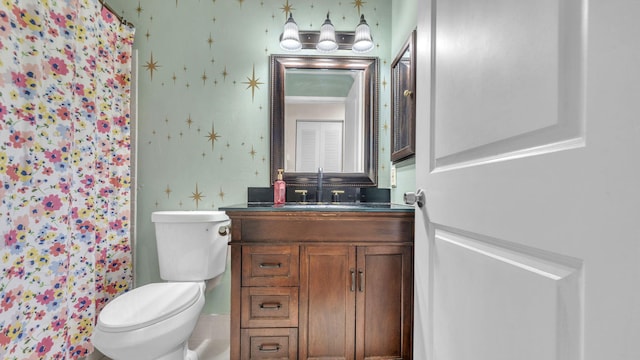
x=301 y=290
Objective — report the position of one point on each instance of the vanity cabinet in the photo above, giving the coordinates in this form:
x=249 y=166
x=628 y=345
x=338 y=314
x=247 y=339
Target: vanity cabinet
x=355 y=300
x=321 y=284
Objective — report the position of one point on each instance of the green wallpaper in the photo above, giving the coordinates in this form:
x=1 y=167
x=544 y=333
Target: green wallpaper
x=203 y=113
x=404 y=20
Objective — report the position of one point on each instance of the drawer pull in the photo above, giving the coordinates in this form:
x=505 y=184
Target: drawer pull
x=360 y=280
x=269 y=348
x=270 y=306
x=270 y=265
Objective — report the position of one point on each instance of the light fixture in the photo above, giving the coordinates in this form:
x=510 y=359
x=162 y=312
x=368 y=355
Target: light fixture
x=290 y=38
x=363 y=41
x=327 y=41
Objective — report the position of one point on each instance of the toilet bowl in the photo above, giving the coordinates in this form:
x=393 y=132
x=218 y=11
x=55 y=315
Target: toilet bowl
x=155 y=321
x=151 y=322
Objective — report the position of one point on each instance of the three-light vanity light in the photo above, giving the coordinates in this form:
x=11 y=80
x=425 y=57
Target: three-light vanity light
x=327 y=39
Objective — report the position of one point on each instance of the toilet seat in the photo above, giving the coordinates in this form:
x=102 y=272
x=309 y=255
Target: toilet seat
x=188 y=216
x=147 y=305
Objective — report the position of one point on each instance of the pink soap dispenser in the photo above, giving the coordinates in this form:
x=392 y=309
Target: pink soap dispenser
x=279 y=189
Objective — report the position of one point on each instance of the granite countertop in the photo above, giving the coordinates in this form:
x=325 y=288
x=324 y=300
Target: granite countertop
x=333 y=207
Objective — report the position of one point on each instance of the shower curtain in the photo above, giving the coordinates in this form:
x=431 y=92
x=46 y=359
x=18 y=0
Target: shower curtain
x=65 y=70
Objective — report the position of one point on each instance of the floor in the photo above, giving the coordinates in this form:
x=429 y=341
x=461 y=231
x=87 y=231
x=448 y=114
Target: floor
x=210 y=339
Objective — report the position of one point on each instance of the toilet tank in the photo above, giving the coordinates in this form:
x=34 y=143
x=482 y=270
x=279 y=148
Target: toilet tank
x=192 y=245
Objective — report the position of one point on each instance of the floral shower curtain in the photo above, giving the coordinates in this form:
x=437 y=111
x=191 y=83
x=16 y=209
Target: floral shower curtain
x=65 y=250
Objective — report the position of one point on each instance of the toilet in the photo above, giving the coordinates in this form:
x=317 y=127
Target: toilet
x=155 y=321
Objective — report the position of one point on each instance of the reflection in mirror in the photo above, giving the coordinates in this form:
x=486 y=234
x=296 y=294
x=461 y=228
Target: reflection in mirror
x=324 y=115
x=324 y=120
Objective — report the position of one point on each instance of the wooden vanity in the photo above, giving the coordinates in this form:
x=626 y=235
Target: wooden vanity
x=321 y=284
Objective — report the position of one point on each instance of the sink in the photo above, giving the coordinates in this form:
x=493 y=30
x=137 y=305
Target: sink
x=322 y=206
x=307 y=205
x=333 y=206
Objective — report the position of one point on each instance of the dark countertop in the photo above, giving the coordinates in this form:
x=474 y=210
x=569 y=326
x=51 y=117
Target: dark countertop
x=326 y=207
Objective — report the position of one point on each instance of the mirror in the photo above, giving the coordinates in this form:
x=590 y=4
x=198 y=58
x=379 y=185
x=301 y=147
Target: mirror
x=324 y=113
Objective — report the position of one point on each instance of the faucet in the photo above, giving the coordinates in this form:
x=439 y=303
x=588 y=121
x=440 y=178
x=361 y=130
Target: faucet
x=319 y=185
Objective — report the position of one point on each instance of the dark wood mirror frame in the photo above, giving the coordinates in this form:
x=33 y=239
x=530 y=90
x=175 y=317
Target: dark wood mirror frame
x=370 y=65
x=403 y=103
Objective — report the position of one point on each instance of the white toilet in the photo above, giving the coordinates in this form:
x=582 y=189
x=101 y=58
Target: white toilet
x=155 y=321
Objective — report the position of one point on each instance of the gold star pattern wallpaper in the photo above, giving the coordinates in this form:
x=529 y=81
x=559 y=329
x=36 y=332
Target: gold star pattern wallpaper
x=203 y=97
x=206 y=61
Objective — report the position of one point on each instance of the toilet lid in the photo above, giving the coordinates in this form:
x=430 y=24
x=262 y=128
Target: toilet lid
x=147 y=305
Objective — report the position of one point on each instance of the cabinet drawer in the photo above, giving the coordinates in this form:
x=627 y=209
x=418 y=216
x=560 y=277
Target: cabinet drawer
x=269 y=344
x=269 y=307
x=270 y=265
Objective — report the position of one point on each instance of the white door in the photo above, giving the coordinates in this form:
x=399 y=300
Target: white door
x=528 y=151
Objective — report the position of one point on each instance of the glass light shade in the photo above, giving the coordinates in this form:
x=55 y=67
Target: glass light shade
x=362 y=41
x=327 y=41
x=290 y=38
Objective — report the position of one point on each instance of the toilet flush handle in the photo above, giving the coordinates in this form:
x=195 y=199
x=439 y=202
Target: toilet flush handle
x=223 y=230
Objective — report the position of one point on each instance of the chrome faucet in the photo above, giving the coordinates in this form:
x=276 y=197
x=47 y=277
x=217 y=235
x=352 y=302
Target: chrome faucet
x=319 y=185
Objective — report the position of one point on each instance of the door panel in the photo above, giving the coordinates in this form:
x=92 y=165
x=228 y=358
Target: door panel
x=488 y=293
x=384 y=302
x=327 y=304
x=517 y=67
x=527 y=247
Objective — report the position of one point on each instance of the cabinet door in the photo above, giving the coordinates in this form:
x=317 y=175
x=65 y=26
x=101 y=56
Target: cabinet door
x=384 y=302
x=327 y=302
